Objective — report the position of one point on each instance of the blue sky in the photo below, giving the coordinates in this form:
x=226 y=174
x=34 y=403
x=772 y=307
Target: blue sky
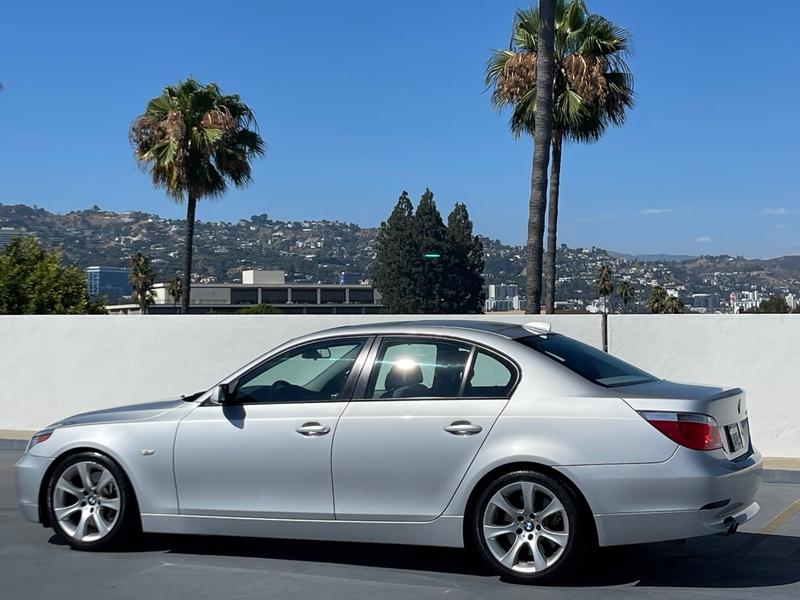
x=360 y=100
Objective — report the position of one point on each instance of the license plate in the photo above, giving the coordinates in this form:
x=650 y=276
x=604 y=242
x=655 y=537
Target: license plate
x=735 y=436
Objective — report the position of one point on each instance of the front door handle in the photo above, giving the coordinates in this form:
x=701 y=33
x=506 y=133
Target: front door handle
x=313 y=429
x=463 y=428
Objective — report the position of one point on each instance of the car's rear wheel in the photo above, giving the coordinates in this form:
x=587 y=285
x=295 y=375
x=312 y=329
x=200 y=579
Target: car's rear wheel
x=529 y=527
x=91 y=503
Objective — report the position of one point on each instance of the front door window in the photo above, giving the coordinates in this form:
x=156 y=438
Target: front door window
x=311 y=373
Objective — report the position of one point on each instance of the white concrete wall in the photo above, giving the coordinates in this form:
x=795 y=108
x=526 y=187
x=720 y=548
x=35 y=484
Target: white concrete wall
x=758 y=353
x=54 y=366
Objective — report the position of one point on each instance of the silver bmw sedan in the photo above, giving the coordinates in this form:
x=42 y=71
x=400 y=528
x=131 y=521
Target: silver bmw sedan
x=522 y=444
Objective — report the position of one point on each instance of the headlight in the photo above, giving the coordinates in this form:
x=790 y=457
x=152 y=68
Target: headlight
x=38 y=438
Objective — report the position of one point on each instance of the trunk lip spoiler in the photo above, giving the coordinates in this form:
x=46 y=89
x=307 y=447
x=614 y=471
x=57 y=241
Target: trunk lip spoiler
x=726 y=394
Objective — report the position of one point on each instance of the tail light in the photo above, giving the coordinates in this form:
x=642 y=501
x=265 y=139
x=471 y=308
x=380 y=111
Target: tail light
x=698 y=432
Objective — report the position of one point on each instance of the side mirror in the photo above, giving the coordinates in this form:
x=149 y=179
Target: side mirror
x=221 y=394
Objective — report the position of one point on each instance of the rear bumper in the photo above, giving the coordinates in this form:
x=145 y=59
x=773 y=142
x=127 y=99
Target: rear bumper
x=690 y=495
x=29 y=472
x=639 y=528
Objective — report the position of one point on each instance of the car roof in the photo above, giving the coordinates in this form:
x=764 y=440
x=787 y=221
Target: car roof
x=430 y=326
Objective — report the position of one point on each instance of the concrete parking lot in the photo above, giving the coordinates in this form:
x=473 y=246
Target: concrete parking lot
x=761 y=561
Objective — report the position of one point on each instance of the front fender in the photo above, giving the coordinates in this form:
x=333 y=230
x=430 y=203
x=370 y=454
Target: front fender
x=143 y=450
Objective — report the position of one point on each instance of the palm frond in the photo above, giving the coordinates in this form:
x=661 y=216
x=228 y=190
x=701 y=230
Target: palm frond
x=593 y=85
x=525 y=30
x=602 y=37
x=194 y=140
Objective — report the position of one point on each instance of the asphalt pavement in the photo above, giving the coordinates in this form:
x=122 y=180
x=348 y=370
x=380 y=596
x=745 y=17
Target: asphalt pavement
x=761 y=561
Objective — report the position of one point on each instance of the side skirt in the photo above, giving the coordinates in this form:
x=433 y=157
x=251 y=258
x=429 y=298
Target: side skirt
x=445 y=531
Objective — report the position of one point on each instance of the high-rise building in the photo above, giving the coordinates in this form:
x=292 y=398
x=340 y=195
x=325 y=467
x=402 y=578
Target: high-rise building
x=108 y=281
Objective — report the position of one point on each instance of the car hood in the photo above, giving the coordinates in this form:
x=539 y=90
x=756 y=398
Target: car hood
x=132 y=412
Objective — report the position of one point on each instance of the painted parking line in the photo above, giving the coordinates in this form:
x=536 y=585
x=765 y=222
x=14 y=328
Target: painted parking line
x=771 y=528
x=775 y=524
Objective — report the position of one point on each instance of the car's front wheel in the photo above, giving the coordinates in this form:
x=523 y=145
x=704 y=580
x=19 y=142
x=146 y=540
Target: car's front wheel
x=91 y=503
x=529 y=527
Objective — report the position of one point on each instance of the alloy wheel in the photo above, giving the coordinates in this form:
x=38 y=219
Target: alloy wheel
x=86 y=501
x=525 y=527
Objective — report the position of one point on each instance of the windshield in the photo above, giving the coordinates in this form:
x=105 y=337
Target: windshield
x=588 y=362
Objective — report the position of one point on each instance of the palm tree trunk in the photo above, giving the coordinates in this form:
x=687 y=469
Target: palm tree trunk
x=186 y=277
x=552 y=226
x=605 y=328
x=543 y=134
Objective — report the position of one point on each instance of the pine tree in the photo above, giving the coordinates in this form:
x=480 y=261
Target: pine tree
x=397 y=259
x=463 y=262
x=429 y=232
x=421 y=266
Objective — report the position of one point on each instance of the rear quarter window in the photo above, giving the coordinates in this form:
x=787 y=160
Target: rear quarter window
x=489 y=377
x=590 y=363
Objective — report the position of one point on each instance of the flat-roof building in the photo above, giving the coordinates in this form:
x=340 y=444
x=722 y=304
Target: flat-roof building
x=261 y=287
x=9 y=233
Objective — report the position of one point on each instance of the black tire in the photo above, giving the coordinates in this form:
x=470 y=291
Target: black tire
x=127 y=525
x=579 y=542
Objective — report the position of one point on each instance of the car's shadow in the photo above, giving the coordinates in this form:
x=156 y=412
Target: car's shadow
x=741 y=561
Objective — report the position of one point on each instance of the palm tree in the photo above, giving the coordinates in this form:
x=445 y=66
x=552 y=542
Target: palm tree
x=626 y=292
x=592 y=88
x=605 y=286
x=195 y=141
x=175 y=290
x=657 y=301
x=542 y=61
x=673 y=306
x=660 y=302
x=142 y=280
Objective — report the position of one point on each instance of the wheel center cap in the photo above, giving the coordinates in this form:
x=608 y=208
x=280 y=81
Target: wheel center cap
x=92 y=500
x=528 y=526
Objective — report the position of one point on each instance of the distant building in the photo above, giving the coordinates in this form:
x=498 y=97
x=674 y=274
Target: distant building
x=258 y=277
x=107 y=281
x=9 y=233
x=707 y=301
x=743 y=301
x=504 y=297
x=268 y=287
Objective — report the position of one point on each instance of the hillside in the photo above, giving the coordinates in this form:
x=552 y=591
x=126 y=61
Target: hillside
x=320 y=250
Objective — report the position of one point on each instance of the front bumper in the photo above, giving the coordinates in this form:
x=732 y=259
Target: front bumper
x=29 y=472
x=690 y=495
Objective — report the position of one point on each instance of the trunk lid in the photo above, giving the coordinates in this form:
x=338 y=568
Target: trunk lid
x=727 y=406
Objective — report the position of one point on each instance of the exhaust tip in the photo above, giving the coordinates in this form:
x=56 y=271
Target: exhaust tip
x=732 y=525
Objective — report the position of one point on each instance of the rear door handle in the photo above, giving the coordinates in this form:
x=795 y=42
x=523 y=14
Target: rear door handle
x=463 y=428
x=313 y=429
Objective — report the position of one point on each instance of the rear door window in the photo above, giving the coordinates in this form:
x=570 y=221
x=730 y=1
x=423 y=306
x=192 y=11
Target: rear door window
x=418 y=368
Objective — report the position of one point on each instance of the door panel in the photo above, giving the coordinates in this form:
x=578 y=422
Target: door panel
x=267 y=451
x=249 y=460
x=394 y=460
